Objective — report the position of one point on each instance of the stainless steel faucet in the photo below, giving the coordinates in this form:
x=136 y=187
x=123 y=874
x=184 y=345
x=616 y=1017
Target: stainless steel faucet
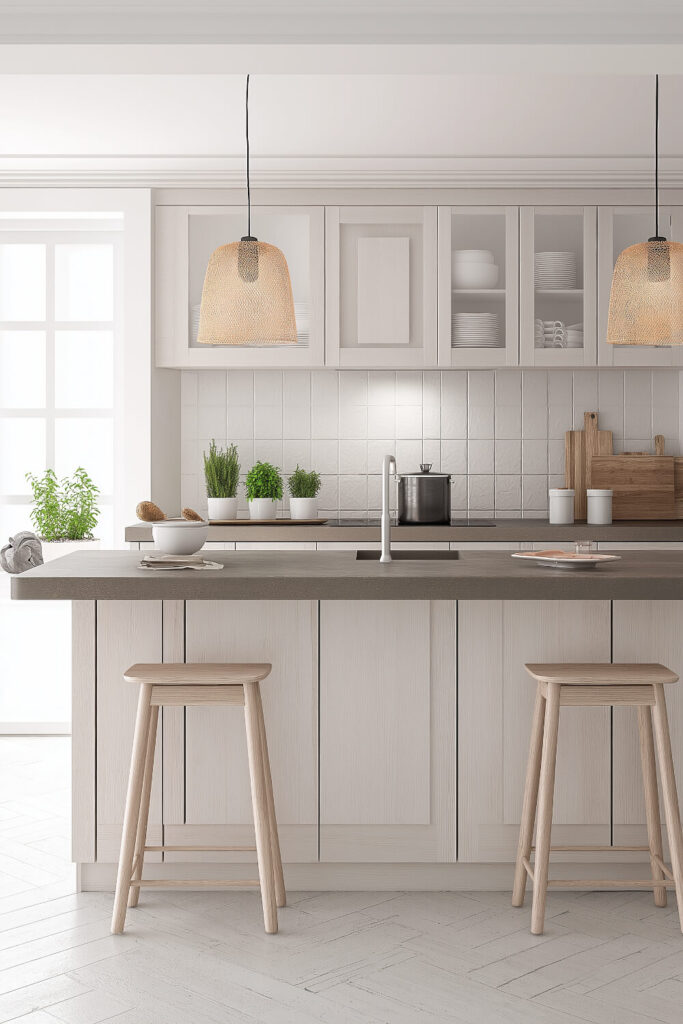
x=388 y=466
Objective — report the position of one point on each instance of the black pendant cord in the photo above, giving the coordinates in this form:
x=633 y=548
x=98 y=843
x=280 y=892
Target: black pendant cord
x=656 y=156
x=246 y=118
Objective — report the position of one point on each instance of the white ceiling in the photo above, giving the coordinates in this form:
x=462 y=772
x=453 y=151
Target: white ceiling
x=351 y=21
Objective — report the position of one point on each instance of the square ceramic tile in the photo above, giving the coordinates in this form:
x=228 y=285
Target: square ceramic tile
x=431 y=422
x=353 y=457
x=665 y=389
x=211 y=421
x=611 y=417
x=480 y=421
x=408 y=456
x=610 y=387
x=585 y=391
x=408 y=387
x=480 y=386
x=431 y=388
x=480 y=456
x=534 y=493
x=188 y=387
x=508 y=456
x=353 y=421
x=267 y=421
x=353 y=492
x=535 y=456
x=328 y=498
x=431 y=453
x=481 y=493
x=240 y=387
x=324 y=421
x=295 y=453
x=240 y=421
x=268 y=387
x=508 y=387
x=560 y=420
x=665 y=421
x=560 y=387
x=374 y=492
x=534 y=421
x=508 y=422
x=211 y=387
x=296 y=387
x=188 y=421
x=454 y=457
x=409 y=421
x=382 y=387
x=458 y=492
x=637 y=421
x=325 y=456
x=353 y=387
x=454 y=386
x=296 y=421
x=534 y=388
x=245 y=452
x=268 y=450
x=556 y=458
x=453 y=416
x=508 y=492
x=381 y=421
x=324 y=387
x=377 y=449
x=637 y=387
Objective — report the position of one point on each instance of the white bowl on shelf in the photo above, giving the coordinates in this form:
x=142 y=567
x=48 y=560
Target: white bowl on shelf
x=472 y=256
x=180 y=536
x=474 y=275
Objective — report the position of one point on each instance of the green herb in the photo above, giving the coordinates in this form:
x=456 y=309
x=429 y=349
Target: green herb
x=263 y=481
x=304 y=485
x=64 y=509
x=221 y=471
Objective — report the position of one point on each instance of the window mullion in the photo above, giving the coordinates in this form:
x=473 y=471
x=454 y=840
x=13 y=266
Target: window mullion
x=50 y=357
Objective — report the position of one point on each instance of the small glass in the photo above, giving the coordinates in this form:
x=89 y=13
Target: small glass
x=584 y=547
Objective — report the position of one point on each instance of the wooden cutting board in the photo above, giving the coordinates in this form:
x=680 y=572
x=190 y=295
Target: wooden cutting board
x=581 y=447
x=643 y=486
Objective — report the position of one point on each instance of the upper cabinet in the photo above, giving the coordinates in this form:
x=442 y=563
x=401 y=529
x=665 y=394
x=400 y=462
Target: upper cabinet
x=478 y=286
x=619 y=227
x=557 y=305
x=185 y=237
x=380 y=272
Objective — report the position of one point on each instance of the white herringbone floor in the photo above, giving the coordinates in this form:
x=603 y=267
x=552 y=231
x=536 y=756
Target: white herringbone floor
x=340 y=958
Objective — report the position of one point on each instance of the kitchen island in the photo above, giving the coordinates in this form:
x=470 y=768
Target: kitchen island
x=398 y=708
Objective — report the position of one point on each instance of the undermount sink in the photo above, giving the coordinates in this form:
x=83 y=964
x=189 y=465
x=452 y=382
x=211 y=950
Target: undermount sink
x=413 y=556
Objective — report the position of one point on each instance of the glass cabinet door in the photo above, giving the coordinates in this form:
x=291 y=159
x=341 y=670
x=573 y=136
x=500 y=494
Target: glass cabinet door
x=185 y=238
x=619 y=227
x=478 y=286
x=558 y=286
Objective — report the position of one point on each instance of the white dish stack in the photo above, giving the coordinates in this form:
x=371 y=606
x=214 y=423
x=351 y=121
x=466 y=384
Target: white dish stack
x=575 y=336
x=475 y=330
x=194 y=322
x=302 y=313
x=555 y=271
x=473 y=270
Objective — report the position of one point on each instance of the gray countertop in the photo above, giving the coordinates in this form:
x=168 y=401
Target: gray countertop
x=308 y=575
x=501 y=530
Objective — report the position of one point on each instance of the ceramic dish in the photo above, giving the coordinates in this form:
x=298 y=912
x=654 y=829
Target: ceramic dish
x=180 y=536
x=566 y=559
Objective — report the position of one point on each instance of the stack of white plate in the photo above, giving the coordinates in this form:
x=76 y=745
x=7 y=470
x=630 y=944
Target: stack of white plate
x=475 y=330
x=303 y=314
x=194 y=321
x=575 y=336
x=555 y=270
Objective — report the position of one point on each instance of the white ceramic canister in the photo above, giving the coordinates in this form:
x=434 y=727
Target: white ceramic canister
x=599 y=504
x=561 y=505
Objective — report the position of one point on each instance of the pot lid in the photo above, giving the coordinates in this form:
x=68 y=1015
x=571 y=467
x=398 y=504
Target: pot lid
x=426 y=471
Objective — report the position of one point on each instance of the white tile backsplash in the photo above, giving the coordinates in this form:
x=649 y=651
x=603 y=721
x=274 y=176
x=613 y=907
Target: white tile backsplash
x=500 y=434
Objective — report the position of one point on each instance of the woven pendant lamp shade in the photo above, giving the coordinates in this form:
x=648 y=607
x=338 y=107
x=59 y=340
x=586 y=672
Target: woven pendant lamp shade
x=646 y=301
x=247 y=297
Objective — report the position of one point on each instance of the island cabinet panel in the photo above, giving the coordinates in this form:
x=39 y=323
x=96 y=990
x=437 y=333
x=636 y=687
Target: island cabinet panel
x=212 y=802
x=127 y=632
x=495 y=705
x=644 y=631
x=387 y=729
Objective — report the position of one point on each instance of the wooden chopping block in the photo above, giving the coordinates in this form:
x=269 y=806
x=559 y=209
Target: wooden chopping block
x=678 y=487
x=581 y=447
x=643 y=486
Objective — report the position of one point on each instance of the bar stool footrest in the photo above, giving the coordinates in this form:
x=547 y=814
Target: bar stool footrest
x=196 y=883
x=199 y=849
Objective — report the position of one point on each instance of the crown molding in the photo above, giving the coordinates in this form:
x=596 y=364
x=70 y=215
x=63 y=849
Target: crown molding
x=333 y=172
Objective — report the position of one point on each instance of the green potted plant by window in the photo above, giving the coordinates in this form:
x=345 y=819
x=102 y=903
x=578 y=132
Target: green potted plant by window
x=65 y=511
x=303 y=494
x=222 y=473
x=264 y=490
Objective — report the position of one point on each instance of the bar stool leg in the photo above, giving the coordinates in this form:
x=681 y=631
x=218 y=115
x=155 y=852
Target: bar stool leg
x=280 y=894
x=533 y=771
x=132 y=813
x=141 y=837
x=654 y=825
x=260 y=805
x=545 y=807
x=671 y=809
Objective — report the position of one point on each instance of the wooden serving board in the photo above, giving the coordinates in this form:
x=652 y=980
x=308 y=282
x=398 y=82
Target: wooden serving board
x=267 y=522
x=581 y=446
x=643 y=486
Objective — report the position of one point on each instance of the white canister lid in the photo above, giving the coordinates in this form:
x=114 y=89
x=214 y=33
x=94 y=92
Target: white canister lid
x=593 y=492
x=559 y=492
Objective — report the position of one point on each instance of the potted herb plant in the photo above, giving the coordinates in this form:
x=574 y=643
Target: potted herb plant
x=65 y=511
x=264 y=490
x=303 y=491
x=222 y=473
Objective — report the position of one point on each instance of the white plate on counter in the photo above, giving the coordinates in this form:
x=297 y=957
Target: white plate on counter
x=566 y=559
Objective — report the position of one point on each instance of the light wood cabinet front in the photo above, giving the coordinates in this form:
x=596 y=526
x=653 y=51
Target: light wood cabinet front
x=387 y=731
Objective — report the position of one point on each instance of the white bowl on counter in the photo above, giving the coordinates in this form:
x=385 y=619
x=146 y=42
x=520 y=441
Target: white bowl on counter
x=179 y=536
x=474 y=275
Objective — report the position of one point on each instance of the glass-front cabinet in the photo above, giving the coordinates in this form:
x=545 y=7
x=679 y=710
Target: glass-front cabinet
x=557 y=300
x=185 y=237
x=618 y=228
x=478 y=285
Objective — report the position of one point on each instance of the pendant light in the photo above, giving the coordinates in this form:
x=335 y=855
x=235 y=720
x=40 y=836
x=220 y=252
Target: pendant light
x=646 y=301
x=247 y=295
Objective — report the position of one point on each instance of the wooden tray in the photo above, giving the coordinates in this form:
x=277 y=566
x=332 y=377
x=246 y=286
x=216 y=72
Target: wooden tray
x=643 y=486
x=266 y=522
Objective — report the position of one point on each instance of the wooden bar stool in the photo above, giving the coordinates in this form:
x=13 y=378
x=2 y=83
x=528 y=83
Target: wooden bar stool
x=180 y=686
x=594 y=685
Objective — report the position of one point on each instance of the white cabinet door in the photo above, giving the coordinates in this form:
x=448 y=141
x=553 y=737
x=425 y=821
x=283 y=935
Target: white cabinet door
x=494 y=229
x=380 y=279
x=644 y=631
x=555 y=233
x=495 y=705
x=618 y=228
x=185 y=237
x=387 y=723
x=212 y=803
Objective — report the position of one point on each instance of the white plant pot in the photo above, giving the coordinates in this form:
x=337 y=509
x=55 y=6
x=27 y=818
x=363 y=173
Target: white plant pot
x=303 y=508
x=222 y=508
x=262 y=508
x=56 y=548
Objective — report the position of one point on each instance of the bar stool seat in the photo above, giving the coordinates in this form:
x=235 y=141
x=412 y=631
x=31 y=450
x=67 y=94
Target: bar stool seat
x=182 y=685
x=593 y=685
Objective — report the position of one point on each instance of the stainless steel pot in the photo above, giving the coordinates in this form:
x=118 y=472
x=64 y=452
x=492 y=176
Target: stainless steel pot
x=424 y=497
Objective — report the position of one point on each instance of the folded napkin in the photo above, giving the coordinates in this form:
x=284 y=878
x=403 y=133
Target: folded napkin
x=166 y=562
x=23 y=552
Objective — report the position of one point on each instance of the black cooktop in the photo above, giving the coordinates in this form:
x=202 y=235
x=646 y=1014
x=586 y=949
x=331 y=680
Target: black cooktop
x=394 y=522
